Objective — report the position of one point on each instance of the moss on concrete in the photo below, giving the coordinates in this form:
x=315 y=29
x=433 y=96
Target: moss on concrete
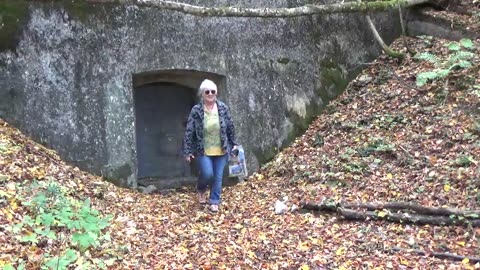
x=118 y=175
x=333 y=80
x=13 y=16
x=301 y=124
x=283 y=60
x=82 y=10
x=265 y=155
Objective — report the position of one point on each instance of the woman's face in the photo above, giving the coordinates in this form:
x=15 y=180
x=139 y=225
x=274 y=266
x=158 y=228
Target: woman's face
x=209 y=95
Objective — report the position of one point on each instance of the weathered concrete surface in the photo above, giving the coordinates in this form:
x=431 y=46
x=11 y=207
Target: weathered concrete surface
x=67 y=79
x=419 y=23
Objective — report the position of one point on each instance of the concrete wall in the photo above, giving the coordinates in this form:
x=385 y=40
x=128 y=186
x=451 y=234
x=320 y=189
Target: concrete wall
x=66 y=72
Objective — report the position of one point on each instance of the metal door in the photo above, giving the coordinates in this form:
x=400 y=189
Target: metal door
x=161 y=111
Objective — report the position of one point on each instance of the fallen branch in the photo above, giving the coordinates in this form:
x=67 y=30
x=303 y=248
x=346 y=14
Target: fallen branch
x=348 y=7
x=420 y=209
x=422 y=216
x=437 y=254
x=407 y=218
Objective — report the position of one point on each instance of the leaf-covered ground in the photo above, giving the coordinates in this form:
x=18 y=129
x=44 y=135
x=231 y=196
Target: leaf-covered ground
x=383 y=140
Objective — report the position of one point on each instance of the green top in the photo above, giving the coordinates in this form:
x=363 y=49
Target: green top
x=211 y=127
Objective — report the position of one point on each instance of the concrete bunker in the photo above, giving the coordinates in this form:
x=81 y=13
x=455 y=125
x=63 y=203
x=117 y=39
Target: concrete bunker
x=162 y=102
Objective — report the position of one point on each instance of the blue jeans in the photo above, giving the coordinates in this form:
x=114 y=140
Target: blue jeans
x=211 y=173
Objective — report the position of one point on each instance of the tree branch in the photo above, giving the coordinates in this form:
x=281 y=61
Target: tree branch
x=404 y=32
x=407 y=218
x=420 y=209
x=437 y=254
x=305 y=10
x=379 y=39
x=420 y=215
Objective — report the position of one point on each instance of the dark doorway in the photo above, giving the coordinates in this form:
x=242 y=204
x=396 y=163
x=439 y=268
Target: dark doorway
x=161 y=111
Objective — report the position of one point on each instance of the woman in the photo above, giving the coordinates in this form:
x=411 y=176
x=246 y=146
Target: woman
x=209 y=136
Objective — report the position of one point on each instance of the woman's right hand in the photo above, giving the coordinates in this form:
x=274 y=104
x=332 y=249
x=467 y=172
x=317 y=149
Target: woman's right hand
x=189 y=158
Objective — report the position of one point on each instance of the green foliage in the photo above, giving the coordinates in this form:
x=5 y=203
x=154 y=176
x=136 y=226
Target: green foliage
x=3 y=148
x=62 y=262
x=476 y=127
x=426 y=56
x=464 y=161
x=427 y=40
x=318 y=141
x=354 y=167
x=376 y=145
x=459 y=58
x=476 y=90
x=55 y=217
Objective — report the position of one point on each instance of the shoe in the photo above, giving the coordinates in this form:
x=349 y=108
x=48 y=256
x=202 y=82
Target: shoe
x=202 y=197
x=214 y=207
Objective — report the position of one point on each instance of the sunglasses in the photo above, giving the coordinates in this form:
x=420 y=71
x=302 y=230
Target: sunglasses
x=207 y=92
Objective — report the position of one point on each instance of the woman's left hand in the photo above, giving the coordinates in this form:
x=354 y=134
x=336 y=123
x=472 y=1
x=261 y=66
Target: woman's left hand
x=232 y=152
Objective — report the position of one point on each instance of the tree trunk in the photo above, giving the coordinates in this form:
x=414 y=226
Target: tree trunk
x=305 y=10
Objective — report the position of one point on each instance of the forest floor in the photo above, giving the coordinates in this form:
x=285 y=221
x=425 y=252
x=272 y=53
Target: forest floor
x=383 y=140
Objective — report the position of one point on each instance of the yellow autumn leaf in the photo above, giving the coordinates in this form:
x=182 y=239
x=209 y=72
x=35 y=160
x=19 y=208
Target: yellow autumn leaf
x=80 y=261
x=461 y=243
x=9 y=215
x=260 y=176
x=403 y=261
x=389 y=176
x=303 y=246
x=340 y=251
x=305 y=267
x=317 y=242
x=251 y=255
x=262 y=237
x=382 y=214
x=13 y=205
x=465 y=261
x=238 y=226
x=446 y=187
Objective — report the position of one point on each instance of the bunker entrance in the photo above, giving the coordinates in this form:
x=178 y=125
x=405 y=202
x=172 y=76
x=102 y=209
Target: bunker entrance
x=161 y=111
x=163 y=101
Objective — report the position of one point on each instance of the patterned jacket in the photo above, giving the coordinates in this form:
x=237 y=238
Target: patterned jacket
x=193 y=142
